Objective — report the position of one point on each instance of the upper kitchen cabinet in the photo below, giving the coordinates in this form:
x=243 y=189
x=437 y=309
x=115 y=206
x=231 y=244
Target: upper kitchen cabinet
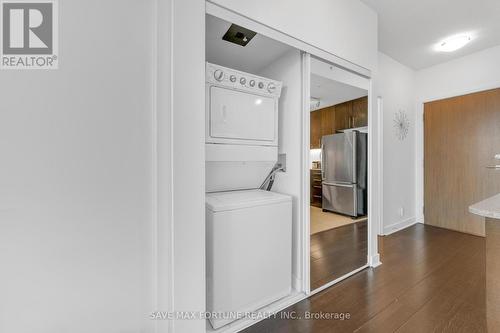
x=327 y=120
x=360 y=112
x=331 y=119
x=344 y=28
x=322 y=123
x=343 y=113
x=315 y=140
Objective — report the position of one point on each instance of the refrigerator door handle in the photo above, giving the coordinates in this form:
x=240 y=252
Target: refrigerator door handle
x=354 y=156
x=355 y=202
x=323 y=164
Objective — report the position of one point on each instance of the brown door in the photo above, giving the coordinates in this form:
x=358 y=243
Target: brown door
x=461 y=137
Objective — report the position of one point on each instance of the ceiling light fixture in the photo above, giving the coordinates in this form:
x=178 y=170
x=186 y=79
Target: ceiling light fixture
x=453 y=43
x=315 y=103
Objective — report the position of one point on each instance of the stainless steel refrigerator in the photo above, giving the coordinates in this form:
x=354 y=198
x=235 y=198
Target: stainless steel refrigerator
x=344 y=173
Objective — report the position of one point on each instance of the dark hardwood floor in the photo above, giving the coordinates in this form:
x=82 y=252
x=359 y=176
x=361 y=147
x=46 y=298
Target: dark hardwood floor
x=431 y=280
x=338 y=251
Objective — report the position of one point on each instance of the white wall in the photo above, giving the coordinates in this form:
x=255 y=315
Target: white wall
x=475 y=72
x=345 y=28
x=395 y=83
x=76 y=177
x=289 y=70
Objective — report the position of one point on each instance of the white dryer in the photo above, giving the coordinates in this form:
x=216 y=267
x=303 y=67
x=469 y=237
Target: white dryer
x=249 y=231
x=241 y=128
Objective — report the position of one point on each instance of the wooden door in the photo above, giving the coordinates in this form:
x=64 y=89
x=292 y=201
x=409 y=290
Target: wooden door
x=315 y=137
x=461 y=137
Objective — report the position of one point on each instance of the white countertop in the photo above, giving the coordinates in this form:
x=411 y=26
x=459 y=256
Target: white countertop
x=488 y=208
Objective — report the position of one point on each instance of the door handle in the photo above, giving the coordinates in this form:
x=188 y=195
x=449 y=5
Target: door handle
x=323 y=162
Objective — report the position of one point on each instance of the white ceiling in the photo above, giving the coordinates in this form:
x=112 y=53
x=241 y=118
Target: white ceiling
x=260 y=52
x=409 y=29
x=332 y=92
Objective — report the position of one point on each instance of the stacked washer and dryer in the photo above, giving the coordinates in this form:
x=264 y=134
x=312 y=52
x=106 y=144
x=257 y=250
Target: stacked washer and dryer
x=248 y=230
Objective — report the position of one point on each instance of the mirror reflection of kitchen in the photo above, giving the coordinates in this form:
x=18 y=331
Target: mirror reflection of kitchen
x=338 y=179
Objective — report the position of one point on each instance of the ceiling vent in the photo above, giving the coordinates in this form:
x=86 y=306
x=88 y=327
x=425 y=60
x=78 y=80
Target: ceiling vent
x=239 y=35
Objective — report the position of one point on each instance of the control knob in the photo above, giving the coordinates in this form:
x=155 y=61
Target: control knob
x=271 y=87
x=218 y=75
x=261 y=85
x=243 y=81
x=232 y=78
x=252 y=83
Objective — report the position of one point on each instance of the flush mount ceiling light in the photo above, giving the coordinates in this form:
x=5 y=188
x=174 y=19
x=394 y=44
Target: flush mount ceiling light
x=453 y=43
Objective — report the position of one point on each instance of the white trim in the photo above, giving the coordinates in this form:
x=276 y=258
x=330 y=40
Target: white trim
x=398 y=226
x=259 y=27
x=380 y=139
x=419 y=139
x=273 y=308
x=375 y=261
x=306 y=208
x=373 y=219
x=343 y=277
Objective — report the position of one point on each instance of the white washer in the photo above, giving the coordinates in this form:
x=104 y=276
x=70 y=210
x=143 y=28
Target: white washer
x=249 y=241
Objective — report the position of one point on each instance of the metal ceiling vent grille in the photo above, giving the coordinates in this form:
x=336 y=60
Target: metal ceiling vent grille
x=239 y=35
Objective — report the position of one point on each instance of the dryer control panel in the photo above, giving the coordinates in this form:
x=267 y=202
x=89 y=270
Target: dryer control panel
x=238 y=80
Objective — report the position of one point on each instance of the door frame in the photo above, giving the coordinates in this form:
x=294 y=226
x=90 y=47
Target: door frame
x=373 y=257
x=309 y=50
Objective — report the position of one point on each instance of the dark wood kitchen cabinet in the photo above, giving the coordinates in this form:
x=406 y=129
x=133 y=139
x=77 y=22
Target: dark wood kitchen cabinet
x=322 y=123
x=316 y=190
x=360 y=112
x=341 y=116
x=315 y=129
x=327 y=121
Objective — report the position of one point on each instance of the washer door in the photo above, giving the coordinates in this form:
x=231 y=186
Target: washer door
x=240 y=117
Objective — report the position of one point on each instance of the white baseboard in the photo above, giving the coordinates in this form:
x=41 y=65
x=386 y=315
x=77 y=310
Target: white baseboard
x=272 y=308
x=374 y=261
x=390 y=229
x=420 y=219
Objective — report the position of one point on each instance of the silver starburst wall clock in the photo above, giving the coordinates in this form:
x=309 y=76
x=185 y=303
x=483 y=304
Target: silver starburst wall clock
x=401 y=125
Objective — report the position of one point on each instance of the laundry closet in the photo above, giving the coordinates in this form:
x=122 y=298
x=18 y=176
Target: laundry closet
x=249 y=213
x=256 y=162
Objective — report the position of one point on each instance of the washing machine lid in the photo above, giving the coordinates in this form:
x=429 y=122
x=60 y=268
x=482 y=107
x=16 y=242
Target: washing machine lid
x=231 y=200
